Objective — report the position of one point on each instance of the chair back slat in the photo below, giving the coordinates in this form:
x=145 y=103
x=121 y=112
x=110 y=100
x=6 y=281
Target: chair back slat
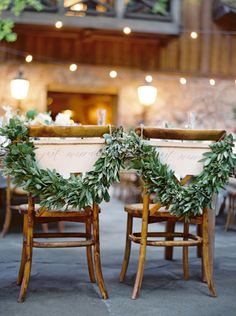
x=180 y=134
x=69 y=131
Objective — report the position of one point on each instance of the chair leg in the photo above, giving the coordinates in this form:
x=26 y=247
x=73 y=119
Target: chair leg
x=44 y=227
x=29 y=251
x=229 y=214
x=199 y=247
x=97 y=260
x=142 y=249
x=89 y=252
x=206 y=260
x=7 y=221
x=127 y=248
x=23 y=255
x=185 y=252
x=61 y=227
x=170 y=228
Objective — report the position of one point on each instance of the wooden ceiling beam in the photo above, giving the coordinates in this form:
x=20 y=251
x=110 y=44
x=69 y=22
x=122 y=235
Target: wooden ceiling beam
x=98 y=22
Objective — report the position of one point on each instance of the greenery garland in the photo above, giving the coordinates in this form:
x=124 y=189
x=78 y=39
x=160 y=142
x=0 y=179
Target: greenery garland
x=122 y=150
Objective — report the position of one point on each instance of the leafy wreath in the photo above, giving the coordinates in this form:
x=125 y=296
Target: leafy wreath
x=122 y=150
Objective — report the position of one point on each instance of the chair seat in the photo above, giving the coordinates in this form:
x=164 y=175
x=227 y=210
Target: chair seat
x=162 y=213
x=137 y=209
x=41 y=212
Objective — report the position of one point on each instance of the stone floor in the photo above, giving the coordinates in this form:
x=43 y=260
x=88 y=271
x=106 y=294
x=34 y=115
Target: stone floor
x=60 y=285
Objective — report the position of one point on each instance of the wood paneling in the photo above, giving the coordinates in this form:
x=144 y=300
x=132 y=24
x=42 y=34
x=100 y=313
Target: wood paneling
x=212 y=53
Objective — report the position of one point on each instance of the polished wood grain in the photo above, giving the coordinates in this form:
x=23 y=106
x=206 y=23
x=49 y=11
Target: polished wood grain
x=69 y=131
x=180 y=134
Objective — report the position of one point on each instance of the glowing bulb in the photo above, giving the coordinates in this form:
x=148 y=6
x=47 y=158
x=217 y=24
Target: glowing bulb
x=194 y=35
x=235 y=81
x=58 y=24
x=28 y=58
x=79 y=7
x=148 y=78
x=113 y=74
x=127 y=30
x=212 y=82
x=73 y=67
x=183 y=81
x=147 y=94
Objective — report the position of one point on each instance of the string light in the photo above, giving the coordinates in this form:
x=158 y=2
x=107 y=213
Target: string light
x=58 y=24
x=113 y=74
x=28 y=58
x=127 y=30
x=183 y=81
x=213 y=32
x=73 y=67
x=194 y=35
x=46 y=59
x=212 y=82
x=148 y=78
x=78 y=7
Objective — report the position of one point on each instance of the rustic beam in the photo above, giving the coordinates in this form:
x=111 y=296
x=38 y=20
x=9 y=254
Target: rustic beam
x=98 y=22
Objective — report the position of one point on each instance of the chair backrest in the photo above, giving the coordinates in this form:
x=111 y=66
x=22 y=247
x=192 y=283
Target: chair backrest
x=181 y=149
x=180 y=134
x=68 y=149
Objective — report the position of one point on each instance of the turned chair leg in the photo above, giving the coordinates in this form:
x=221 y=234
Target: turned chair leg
x=142 y=249
x=8 y=215
x=127 y=248
x=97 y=260
x=230 y=215
x=205 y=255
x=89 y=252
x=29 y=251
x=170 y=228
x=23 y=255
x=199 y=233
x=185 y=252
x=61 y=227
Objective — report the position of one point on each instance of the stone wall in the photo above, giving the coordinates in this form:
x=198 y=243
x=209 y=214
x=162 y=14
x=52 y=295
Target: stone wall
x=213 y=105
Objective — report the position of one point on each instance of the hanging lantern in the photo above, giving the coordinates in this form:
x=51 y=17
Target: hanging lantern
x=147 y=94
x=19 y=87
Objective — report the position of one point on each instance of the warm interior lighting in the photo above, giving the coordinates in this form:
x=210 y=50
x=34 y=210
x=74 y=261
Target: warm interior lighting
x=194 y=35
x=212 y=82
x=148 y=78
x=127 y=30
x=68 y=112
x=183 y=81
x=58 y=24
x=19 y=87
x=113 y=74
x=28 y=58
x=73 y=67
x=101 y=8
x=79 y=7
x=147 y=94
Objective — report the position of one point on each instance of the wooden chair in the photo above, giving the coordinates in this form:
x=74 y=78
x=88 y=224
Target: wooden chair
x=11 y=194
x=153 y=213
x=231 y=209
x=8 y=214
x=89 y=216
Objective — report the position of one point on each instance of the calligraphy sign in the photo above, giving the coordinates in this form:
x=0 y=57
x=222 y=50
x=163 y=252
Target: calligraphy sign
x=182 y=157
x=68 y=156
